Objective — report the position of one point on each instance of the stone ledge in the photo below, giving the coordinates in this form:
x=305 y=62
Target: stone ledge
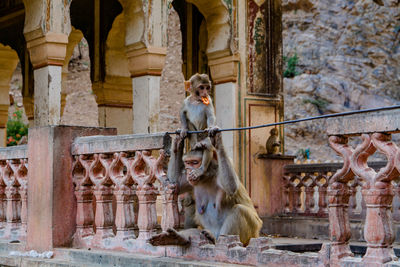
x=110 y=144
x=14 y=152
x=369 y=122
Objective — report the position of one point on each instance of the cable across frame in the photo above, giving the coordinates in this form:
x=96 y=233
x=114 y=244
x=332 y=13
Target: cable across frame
x=342 y=114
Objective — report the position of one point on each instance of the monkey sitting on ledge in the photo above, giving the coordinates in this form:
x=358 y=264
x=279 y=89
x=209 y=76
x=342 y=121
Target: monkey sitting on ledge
x=223 y=206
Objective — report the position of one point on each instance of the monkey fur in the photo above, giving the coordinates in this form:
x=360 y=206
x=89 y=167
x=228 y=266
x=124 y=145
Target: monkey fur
x=273 y=143
x=196 y=115
x=223 y=205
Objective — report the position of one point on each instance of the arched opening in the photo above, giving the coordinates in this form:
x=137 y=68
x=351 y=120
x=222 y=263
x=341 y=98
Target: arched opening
x=103 y=26
x=15 y=70
x=194 y=38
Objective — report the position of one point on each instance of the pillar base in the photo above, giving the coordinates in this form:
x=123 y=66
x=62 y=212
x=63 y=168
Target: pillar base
x=52 y=204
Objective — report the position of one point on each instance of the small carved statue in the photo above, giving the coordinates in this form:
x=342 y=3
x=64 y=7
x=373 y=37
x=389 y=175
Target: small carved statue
x=273 y=143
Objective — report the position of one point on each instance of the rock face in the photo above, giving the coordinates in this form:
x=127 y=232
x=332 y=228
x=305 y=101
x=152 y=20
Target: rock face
x=349 y=59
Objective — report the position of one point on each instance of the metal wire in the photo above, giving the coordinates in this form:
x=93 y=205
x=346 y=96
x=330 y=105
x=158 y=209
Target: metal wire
x=298 y=120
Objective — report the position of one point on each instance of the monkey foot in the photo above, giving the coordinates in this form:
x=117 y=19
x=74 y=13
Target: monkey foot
x=170 y=237
x=208 y=236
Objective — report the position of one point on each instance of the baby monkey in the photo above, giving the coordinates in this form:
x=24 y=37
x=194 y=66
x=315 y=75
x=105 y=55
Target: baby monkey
x=197 y=113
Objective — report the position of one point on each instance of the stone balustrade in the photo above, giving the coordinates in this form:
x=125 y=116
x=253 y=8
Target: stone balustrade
x=375 y=131
x=305 y=191
x=13 y=192
x=117 y=181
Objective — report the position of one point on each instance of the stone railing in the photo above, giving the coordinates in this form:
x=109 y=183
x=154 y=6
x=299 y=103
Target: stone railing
x=13 y=192
x=117 y=180
x=378 y=187
x=305 y=190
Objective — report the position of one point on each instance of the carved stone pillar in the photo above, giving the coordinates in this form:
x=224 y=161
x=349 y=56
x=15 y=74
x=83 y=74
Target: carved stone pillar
x=3 y=205
x=145 y=66
x=12 y=212
x=378 y=229
x=104 y=217
x=338 y=201
x=84 y=214
x=124 y=216
x=339 y=225
x=147 y=218
x=224 y=73
x=47 y=53
x=378 y=196
x=170 y=216
x=24 y=211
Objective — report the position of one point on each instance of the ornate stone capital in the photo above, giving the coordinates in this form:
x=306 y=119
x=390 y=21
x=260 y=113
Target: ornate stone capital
x=145 y=60
x=46 y=50
x=224 y=68
x=115 y=91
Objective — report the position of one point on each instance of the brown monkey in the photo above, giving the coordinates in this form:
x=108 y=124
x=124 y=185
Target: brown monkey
x=197 y=113
x=273 y=143
x=223 y=205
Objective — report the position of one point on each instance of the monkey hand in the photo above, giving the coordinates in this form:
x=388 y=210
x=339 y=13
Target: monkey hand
x=212 y=130
x=194 y=175
x=183 y=133
x=217 y=141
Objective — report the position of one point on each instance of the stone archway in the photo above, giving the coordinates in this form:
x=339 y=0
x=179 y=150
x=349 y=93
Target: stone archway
x=219 y=29
x=8 y=63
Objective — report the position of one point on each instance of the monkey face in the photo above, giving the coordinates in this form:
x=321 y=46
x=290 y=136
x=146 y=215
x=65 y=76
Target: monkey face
x=192 y=163
x=203 y=90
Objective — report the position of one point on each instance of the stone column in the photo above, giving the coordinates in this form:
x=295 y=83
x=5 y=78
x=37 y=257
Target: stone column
x=114 y=100
x=47 y=53
x=52 y=206
x=224 y=73
x=145 y=66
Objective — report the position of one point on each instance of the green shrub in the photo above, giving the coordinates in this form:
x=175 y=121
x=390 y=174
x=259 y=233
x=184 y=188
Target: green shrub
x=16 y=128
x=290 y=66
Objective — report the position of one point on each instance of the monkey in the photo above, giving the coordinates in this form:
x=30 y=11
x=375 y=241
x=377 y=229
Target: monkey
x=197 y=113
x=273 y=143
x=223 y=206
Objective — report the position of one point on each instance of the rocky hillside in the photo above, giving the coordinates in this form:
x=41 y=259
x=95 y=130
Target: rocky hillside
x=348 y=58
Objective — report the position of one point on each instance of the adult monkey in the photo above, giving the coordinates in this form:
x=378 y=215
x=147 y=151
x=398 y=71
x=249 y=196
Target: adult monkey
x=223 y=205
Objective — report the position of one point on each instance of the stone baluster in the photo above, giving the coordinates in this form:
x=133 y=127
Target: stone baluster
x=147 y=218
x=338 y=199
x=124 y=216
x=322 y=182
x=84 y=201
x=12 y=213
x=84 y=212
x=309 y=202
x=286 y=193
x=23 y=191
x=142 y=170
x=22 y=178
x=3 y=205
x=297 y=197
x=169 y=195
x=104 y=217
x=396 y=200
x=170 y=215
x=378 y=195
x=103 y=193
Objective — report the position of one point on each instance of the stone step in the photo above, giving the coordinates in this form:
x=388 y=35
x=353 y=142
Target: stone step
x=121 y=259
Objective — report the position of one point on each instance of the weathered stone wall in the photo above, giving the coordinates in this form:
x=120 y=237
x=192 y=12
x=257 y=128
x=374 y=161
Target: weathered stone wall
x=349 y=58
